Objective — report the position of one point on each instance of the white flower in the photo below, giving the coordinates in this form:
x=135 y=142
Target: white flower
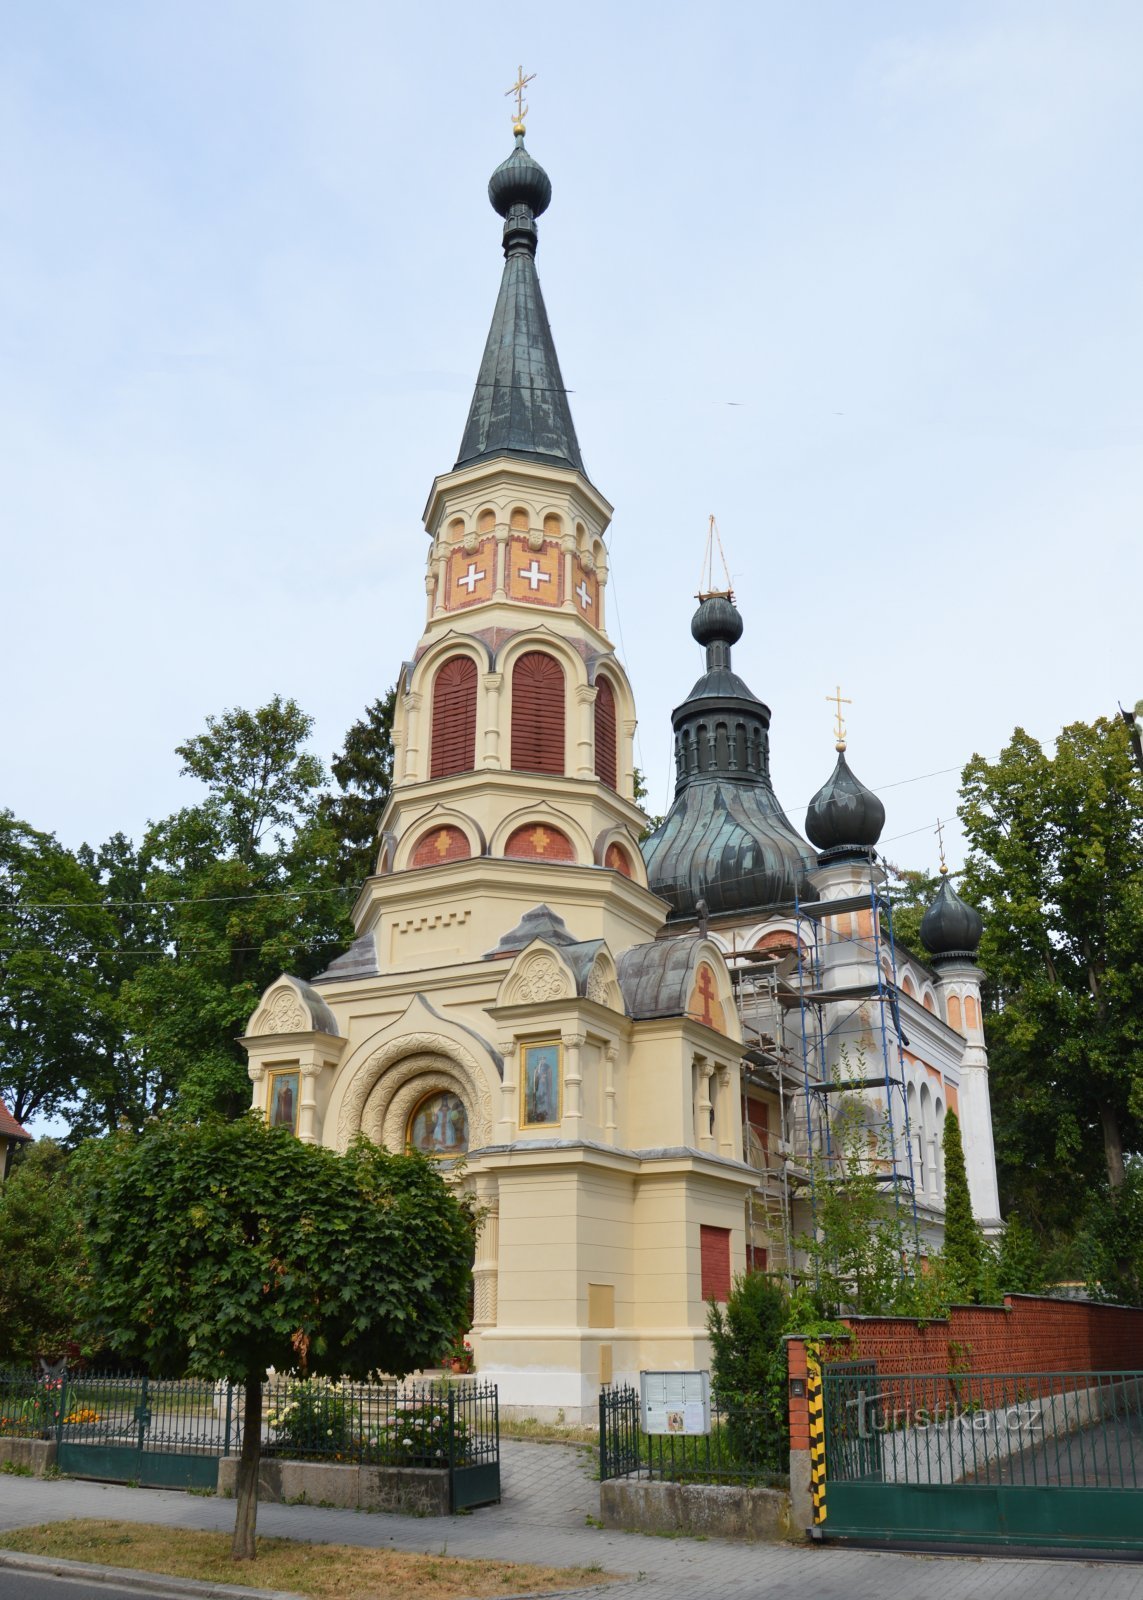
x=406 y=1441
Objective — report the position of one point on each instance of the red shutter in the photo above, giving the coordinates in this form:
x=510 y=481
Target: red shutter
x=606 y=767
x=454 y=718
x=538 y=714
x=714 y=1250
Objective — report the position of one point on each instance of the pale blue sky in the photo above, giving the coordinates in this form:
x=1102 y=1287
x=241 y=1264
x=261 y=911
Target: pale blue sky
x=247 y=266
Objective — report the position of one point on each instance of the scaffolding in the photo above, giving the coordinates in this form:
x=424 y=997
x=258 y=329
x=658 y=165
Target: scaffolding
x=820 y=1022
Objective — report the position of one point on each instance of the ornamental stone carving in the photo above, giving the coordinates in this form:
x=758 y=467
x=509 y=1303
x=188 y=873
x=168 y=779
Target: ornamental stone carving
x=598 y=988
x=414 y=1056
x=285 y=1014
x=538 y=980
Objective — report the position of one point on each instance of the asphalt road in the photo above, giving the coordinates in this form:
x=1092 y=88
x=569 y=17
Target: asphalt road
x=32 y=1586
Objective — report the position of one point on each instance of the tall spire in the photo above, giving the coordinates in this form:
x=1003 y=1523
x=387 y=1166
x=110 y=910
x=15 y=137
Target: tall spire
x=520 y=407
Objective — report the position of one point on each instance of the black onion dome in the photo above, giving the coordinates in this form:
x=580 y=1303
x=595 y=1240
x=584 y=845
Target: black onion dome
x=726 y=839
x=717 y=621
x=844 y=818
x=951 y=929
x=520 y=181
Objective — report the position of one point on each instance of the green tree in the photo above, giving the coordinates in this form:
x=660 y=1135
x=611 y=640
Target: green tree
x=1056 y=866
x=911 y=893
x=52 y=999
x=245 y=887
x=220 y=1249
x=748 y=1367
x=963 y=1251
x=1111 y=1239
x=363 y=771
x=1020 y=1263
x=43 y=1258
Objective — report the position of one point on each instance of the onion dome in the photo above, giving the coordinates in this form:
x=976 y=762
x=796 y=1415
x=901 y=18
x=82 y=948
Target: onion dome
x=951 y=929
x=726 y=839
x=844 y=818
x=520 y=181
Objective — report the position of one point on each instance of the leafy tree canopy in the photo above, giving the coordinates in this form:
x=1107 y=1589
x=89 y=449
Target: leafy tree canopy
x=43 y=1257
x=1056 y=866
x=220 y=1249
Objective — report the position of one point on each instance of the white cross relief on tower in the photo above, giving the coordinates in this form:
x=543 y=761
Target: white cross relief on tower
x=471 y=578
x=584 y=594
x=535 y=575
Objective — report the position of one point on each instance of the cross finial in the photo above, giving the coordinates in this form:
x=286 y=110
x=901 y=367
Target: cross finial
x=940 y=833
x=517 y=89
x=838 y=699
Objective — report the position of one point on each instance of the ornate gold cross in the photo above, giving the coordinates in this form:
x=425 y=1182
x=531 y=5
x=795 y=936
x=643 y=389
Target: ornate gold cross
x=517 y=89
x=839 y=700
x=940 y=833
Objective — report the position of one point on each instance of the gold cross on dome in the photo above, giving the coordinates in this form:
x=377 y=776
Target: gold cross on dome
x=517 y=89
x=839 y=700
x=940 y=833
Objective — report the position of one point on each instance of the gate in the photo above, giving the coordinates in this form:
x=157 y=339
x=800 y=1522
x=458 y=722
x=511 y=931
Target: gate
x=474 y=1445
x=1028 y=1458
x=162 y=1434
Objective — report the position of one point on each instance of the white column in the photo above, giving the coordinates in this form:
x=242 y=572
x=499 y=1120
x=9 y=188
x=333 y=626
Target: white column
x=573 y=1079
x=493 y=683
x=973 y=1099
x=610 y=1124
x=307 y=1106
x=412 y=731
x=704 y=1135
x=585 y=695
x=509 y=1092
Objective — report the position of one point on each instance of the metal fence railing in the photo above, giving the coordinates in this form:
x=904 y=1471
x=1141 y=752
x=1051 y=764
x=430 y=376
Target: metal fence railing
x=437 y=1424
x=745 y=1444
x=1022 y=1429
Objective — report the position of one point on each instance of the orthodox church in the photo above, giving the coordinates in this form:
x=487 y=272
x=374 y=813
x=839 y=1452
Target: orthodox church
x=637 y=1044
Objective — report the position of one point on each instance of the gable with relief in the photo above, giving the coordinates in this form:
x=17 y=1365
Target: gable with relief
x=538 y=974
x=291 y=1006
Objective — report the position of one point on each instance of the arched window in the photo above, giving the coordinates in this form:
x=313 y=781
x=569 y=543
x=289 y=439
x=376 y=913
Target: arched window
x=537 y=714
x=454 y=718
x=606 y=761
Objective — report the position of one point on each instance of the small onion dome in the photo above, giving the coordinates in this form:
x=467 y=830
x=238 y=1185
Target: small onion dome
x=845 y=818
x=520 y=181
x=717 y=621
x=950 y=928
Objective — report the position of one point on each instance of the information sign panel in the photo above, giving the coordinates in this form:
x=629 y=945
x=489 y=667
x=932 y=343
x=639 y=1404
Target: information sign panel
x=675 y=1402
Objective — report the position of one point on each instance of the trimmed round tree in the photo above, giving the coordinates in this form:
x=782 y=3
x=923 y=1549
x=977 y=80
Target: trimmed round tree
x=220 y=1249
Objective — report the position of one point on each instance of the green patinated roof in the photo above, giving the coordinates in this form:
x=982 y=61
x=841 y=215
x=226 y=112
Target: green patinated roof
x=520 y=406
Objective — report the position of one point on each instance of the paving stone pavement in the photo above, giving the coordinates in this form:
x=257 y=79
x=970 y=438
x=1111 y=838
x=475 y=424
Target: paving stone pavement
x=548 y=1495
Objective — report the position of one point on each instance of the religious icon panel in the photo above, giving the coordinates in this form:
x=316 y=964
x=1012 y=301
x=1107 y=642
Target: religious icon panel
x=541 y=1085
x=439 y=1125
x=284 y=1100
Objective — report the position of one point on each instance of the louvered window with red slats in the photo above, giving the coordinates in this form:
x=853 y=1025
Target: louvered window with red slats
x=454 y=718
x=606 y=765
x=714 y=1251
x=538 y=694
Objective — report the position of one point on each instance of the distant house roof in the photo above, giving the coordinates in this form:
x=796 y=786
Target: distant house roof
x=9 y=1127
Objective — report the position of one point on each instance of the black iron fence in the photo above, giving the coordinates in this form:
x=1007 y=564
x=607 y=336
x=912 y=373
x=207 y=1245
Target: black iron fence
x=147 y=1429
x=745 y=1443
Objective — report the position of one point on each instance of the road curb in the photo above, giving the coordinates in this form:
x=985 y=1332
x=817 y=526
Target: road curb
x=131 y=1579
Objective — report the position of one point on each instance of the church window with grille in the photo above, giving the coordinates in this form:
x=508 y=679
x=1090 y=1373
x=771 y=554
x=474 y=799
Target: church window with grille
x=538 y=696
x=606 y=754
x=454 y=718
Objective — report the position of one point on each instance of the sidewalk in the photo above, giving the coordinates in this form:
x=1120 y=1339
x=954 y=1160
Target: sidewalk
x=548 y=1495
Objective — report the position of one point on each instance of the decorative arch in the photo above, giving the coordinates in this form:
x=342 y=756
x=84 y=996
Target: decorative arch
x=908 y=986
x=928 y=1001
x=539 y=703
x=704 y=1003
x=606 y=734
x=539 y=973
x=419 y=1051
x=453 y=735
x=539 y=841
x=971 y=1013
x=545 y=815
x=603 y=983
x=426 y=828
x=445 y=842
x=952 y=1004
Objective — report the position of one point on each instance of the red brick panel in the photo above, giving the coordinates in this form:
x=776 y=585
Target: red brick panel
x=539 y=841
x=617 y=859
x=440 y=844
x=714 y=1251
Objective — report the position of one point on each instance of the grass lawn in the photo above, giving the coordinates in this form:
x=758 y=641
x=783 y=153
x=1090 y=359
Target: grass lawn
x=323 y=1571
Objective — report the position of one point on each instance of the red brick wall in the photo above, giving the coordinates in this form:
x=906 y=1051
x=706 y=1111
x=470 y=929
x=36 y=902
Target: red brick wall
x=441 y=844
x=1028 y=1333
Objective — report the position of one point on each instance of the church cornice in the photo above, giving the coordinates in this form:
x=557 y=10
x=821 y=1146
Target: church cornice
x=524 y=476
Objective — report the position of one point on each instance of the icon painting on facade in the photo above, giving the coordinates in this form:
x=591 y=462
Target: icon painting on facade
x=284 y=1100
x=439 y=1126
x=541 y=1085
